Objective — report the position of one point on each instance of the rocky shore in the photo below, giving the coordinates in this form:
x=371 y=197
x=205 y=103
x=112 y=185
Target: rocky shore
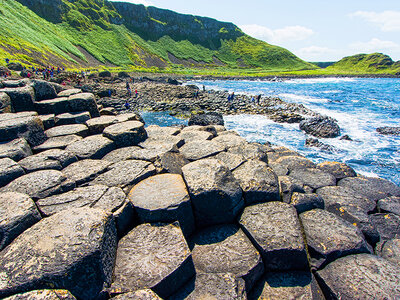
x=94 y=205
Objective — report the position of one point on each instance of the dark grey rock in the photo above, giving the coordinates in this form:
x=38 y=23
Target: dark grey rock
x=152 y=256
x=58 y=142
x=215 y=193
x=390 y=250
x=69 y=92
x=15 y=66
x=43 y=294
x=330 y=237
x=321 y=127
x=125 y=134
x=388 y=225
x=361 y=276
x=288 y=186
x=337 y=169
x=14 y=83
x=77 y=129
x=85 y=170
x=211 y=118
x=196 y=150
x=16 y=149
x=73 y=251
x=389 y=205
x=55 y=159
x=145 y=294
x=293 y=162
x=22 y=98
x=274 y=229
x=83 y=102
x=43 y=90
x=232 y=161
x=313 y=142
x=303 y=202
x=5 y=103
x=9 y=170
x=389 y=130
x=48 y=121
x=170 y=162
x=104 y=74
x=258 y=182
x=279 y=170
x=18 y=212
x=314 y=178
x=94 y=147
x=226 y=248
x=72 y=118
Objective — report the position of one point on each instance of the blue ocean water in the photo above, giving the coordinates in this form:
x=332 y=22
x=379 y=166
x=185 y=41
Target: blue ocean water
x=359 y=105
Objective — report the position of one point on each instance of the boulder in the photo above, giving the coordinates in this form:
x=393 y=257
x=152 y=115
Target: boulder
x=163 y=198
x=361 y=276
x=288 y=186
x=55 y=159
x=48 y=121
x=389 y=130
x=226 y=249
x=69 y=92
x=313 y=142
x=16 y=149
x=324 y=127
x=337 y=169
x=232 y=161
x=215 y=193
x=72 y=118
x=304 y=202
x=5 y=103
x=388 y=225
x=293 y=162
x=258 y=182
x=389 y=205
x=44 y=294
x=390 y=250
x=170 y=162
x=85 y=170
x=77 y=129
x=229 y=140
x=211 y=118
x=152 y=256
x=145 y=294
x=104 y=74
x=83 y=102
x=330 y=237
x=18 y=212
x=97 y=125
x=58 y=142
x=9 y=170
x=73 y=251
x=15 y=66
x=22 y=98
x=125 y=134
x=250 y=151
x=313 y=178
x=94 y=147
x=275 y=230
x=196 y=150
x=14 y=83
x=43 y=90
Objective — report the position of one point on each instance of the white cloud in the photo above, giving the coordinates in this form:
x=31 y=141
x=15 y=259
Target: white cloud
x=276 y=36
x=144 y=2
x=388 y=20
x=376 y=45
x=317 y=53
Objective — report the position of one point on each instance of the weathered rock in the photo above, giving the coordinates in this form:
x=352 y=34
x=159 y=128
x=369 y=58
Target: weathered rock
x=321 y=127
x=195 y=135
x=22 y=98
x=125 y=174
x=196 y=150
x=43 y=90
x=69 y=92
x=216 y=195
x=14 y=83
x=83 y=102
x=278 y=152
x=295 y=162
x=168 y=143
x=330 y=237
x=9 y=170
x=133 y=152
x=250 y=151
x=73 y=251
x=337 y=169
x=361 y=276
x=163 y=198
x=72 y=118
x=388 y=225
x=373 y=188
x=145 y=294
x=232 y=161
x=48 y=121
x=26 y=124
x=155 y=131
x=97 y=125
x=279 y=170
x=288 y=186
x=211 y=118
x=170 y=162
x=389 y=205
x=77 y=129
x=226 y=248
x=258 y=182
x=314 y=178
x=16 y=149
x=44 y=295
x=18 y=212
x=304 y=202
x=108 y=111
x=5 y=103
x=94 y=147
x=85 y=170
x=229 y=140
x=55 y=159
x=274 y=229
x=313 y=142
x=125 y=134
x=152 y=256
x=390 y=250
x=389 y=130
x=58 y=142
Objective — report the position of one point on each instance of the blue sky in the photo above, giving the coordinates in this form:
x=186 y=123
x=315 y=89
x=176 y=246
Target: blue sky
x=313 y=30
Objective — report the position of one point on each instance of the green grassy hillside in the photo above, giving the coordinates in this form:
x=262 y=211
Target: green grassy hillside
x=83 y=33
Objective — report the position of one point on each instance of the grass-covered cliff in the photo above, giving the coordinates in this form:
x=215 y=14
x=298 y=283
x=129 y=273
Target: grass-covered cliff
x=83 y=33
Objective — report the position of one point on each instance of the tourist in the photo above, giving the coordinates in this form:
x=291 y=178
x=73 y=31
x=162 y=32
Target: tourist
x=258 y=99
x=127 y=105
x=128 y=88
x=136 y=93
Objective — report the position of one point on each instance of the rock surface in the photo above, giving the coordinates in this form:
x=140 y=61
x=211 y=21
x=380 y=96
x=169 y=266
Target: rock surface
x=44 y=295
x=85 y=170
x=210 y=118
x=9 y=170
x=321 y=127
x=93 y=147
x=16 y=149
x=126 y=134
x=55 y=159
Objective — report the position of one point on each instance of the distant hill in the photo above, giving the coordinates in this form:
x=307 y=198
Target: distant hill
x=83 y=33
x=323 y=64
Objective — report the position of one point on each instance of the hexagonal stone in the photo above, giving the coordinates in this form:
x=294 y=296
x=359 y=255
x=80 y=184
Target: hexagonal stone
x=275 y=230
x=43 y=294
x=58 y=142
x=390 y=250
x=125 y=174
x=22 y=98
x=94 y=147
x=329 y=237
x=16 y=149
x=314 y=178
x=388 y=225
x=133 y=152
x=163 y=198
x=69 y=92
x=250 y=151
x=77 y=129
x=73 y=251
x=229 y=140
x=18 y=212
x=201 y=149
x=9 y=170
x=226 y=248
x=72 y=118
x=55 y=159
x=194 y=135
x=372 y=188
x=288 y=186
x=154 y=131
x=278 y=152
x=279 y=170
x=97 y=125
x=125 y=134
x=287 y=285
x=83 y=102
x=258 y=182
x=152 y=256
x=303 y=202
x=5 y=103
x=85 y=170
x=48 y=121
x=170 y=162
x=172 y=143
x=361 y=276
x=40 y=184
x=43 y=90
x=215 y=193
x=293 y=162
x=232 y=161
x=389 y=204
x=145 y=294
x=337 y=169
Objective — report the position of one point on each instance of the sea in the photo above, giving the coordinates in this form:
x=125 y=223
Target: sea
x=360 y=105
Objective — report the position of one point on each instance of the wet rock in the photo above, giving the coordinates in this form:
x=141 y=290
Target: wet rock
x=304 y=202
x=85 y=170
x=337 y=169
x=73 y=251
x=170 y=162
x=163 y=198
x=72 y=118
x=44 y=294
x=215 y=193
x=40 y=184
x=18 y=212
x=274 y=229
x=58 y=142
x=288 y=186
x=55 y=159
x=77 y=129
x=295 y=162
x=258 y=182
x=9 y=170
x=227 y=249
x=69 y=92
x=152 y=256
x=230 y=140
x=43 y=90
x=232 y=161
x=5 y=103
x=22 y=98
x=312 y=142
x=285 y=117
x=321 y=127
x=330 y=237
x=94 y=147
x=125 y=134
x=196 y=150
x=16 y=149
x=390 y=250
x=48 y=121
x=314 y=178
x=388 y=225
x=389 y=130
x=389 y=205
x=345 y=138
x=145 y=294
x=361 y=276
x=211 y=118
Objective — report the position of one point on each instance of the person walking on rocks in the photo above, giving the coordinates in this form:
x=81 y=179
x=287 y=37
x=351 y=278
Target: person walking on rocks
x=258 y=99
x=136 y=93
x=128 y=88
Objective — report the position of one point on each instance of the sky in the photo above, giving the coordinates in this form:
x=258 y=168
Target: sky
x=314 y=30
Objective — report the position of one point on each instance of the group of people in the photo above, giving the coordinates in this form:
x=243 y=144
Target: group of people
x=254 y=99
x=129 y=90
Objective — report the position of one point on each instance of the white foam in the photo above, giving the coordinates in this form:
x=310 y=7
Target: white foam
x=302 y=99
x=320 y=80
